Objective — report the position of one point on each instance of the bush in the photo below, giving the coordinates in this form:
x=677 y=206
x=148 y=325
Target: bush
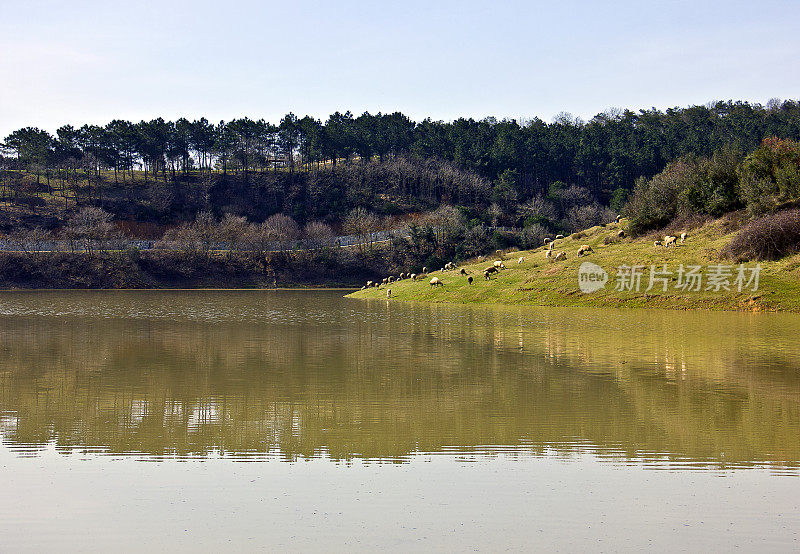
x=767 y=238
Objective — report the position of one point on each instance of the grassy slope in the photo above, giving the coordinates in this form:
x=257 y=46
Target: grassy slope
x=537 y=281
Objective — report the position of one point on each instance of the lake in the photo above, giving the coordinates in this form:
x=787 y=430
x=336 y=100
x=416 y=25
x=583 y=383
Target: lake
x=304 y=421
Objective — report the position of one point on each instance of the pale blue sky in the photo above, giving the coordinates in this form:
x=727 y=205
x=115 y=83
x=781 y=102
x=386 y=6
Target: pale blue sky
x=90 y=61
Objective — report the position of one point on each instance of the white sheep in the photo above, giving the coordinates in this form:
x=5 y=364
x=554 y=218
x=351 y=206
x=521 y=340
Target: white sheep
x=621 y=234
x=413 y=276
x=546 y=240
x=424 y=270
x=670 y=240
x=550 y=245
x=499 y=265
x=683 y=237
x=436 y=282
x=388 y=293
x=559 y=237
x=548 y=254
x=521 y=259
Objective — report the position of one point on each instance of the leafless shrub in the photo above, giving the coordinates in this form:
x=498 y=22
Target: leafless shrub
x=767 y=238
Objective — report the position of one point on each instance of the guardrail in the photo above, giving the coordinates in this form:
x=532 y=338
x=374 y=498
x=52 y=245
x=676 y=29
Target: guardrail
x=343 y=241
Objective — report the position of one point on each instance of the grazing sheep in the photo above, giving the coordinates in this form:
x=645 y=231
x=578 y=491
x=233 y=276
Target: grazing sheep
x=402 y=276
x=669 y=240
x=487 y=275
x=469 y=279
x=521 y=259
x=449 y=265
x=546 y=240
x=413 y=276
x=389 y=279
x=424 y=270
x=559 y=237
x=617 y=219
x=548 y=254
x=657 y=243
x=584 y=250
x=436 y=282
x=385 y=280
x=369 y=284
x=463 y=271
x=491 y=269
x=683 y=237
x=550 y=245
x=561 y=256
x=363 y=287
x=621 y=233
x=388 y=293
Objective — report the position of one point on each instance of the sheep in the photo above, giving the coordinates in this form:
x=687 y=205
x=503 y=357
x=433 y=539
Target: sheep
x=621 y=234
x=487 y=275
x=561 y=256
x=388 y=293
x=385 y=280
x=363 y=287
x=436 y=282
x=424 y=270
x=546 y=240
x=463 y=271
x=499 y=253
x=389 y=279
x=669 y=240
x=491 y=269
x=559 y=237
x=402 y=276
x=683 y=237
x=584 y=250
x=499 y=265
x=413 y=276
x=550 y=245
x=521 y=259
x=617 y=219
x=657 y=244
x=469 y=279
x=548 y=254
x=369 y=284
x=449 y=265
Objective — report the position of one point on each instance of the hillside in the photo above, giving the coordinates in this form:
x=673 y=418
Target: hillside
x=539 y=281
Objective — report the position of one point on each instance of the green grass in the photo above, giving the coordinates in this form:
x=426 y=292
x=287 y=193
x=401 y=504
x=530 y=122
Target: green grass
x=538 y=281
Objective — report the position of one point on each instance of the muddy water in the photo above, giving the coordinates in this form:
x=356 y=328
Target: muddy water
x=125 y=416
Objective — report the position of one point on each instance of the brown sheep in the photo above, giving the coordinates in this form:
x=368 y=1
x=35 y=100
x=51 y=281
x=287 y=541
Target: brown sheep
x=585 y=250
x=463 y=271
x=491 y=269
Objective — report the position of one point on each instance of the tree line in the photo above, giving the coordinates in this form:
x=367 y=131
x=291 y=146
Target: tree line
x=605 y=155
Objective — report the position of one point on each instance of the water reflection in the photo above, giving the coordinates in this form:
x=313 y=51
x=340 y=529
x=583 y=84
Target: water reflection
x=303 y=375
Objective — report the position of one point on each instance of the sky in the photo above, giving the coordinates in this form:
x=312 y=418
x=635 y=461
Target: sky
x=90 y=61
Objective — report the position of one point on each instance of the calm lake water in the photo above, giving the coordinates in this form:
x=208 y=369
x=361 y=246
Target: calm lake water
x=257 y=420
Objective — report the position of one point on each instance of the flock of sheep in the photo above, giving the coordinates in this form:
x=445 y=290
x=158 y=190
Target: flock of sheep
x=498 y=265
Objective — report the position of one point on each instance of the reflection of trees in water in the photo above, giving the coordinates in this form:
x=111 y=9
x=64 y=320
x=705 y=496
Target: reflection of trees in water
x=402 y=380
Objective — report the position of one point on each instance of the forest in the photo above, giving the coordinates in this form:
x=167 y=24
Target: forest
x=454 y=187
